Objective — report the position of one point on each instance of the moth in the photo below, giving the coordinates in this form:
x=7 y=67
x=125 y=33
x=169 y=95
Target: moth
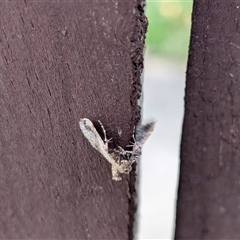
x=120 y=159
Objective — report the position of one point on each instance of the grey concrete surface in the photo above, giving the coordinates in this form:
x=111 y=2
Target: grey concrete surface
x=163 y=101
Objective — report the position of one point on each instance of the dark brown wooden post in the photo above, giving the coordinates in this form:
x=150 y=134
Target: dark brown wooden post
x=208 y=204
x=61 y=61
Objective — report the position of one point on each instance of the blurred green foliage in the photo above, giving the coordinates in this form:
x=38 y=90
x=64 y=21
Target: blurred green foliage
x=169 y=27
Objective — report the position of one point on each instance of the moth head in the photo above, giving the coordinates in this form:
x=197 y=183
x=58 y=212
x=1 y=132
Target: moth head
x=125 y=166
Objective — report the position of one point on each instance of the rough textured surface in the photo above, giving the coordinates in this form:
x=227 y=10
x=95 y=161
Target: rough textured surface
x=208 y=204
x=61 y=61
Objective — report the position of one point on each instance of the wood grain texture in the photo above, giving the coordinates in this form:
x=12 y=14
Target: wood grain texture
x=208 y=197
x=61 y=61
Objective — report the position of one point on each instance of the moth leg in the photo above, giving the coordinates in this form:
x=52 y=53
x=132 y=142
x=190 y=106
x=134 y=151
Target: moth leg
x=106 y=141
x=123 y=152
x=132 y=144
x=136 y=148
